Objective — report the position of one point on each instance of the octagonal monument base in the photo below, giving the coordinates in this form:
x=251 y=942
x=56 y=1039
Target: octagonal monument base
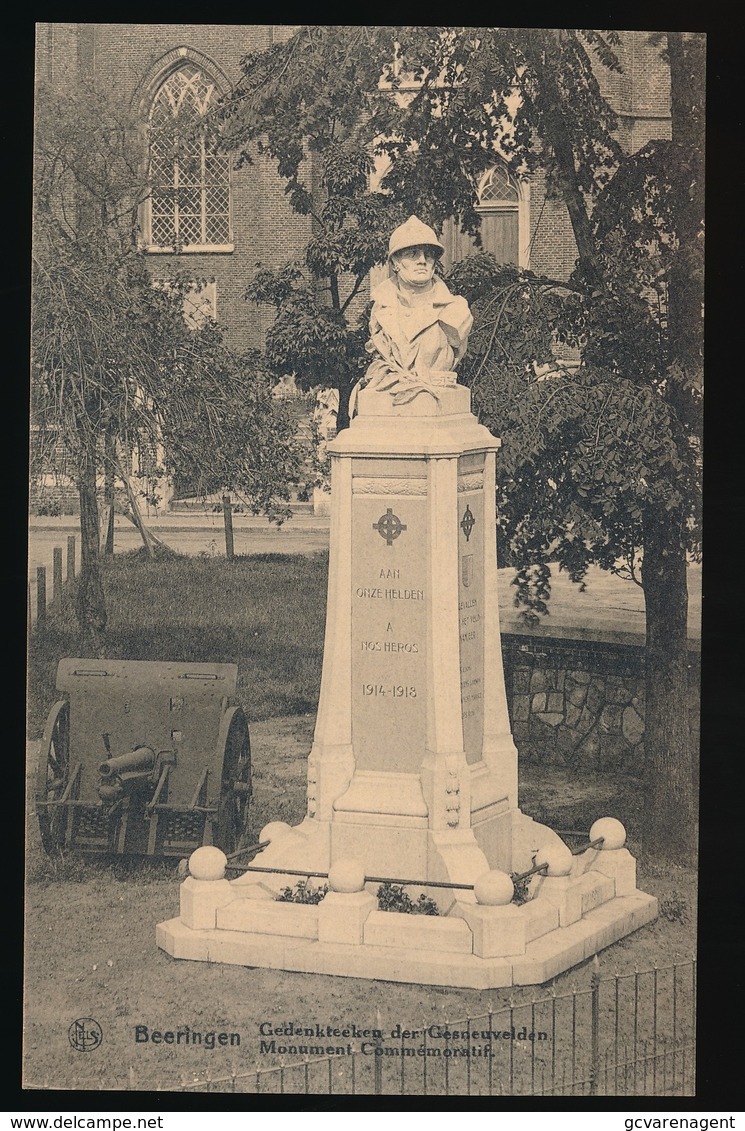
x=475 y=945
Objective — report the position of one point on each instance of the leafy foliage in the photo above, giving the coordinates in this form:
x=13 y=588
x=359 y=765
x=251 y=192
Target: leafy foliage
x=115 y=363
x=114 y=352
x=675 y=908
x=522 y=888
x=392 y=897
x=302 y=892
x=601 y=457
x=590 y=448
x=422 y=110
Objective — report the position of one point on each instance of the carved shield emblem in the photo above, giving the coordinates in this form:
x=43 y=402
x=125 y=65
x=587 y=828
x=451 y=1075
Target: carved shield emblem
x=466 y=569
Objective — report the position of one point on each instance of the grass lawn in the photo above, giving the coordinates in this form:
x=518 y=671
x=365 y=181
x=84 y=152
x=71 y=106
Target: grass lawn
x=263 y=612
x=266 y=613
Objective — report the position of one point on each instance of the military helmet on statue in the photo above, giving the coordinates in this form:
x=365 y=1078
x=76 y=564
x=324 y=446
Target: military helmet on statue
x=413 y=233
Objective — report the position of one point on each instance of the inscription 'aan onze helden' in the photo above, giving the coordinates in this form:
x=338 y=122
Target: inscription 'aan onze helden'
x=374 y=593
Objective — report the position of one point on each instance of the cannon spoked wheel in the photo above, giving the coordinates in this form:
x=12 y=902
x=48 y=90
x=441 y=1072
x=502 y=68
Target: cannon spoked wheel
x=52 y=777
x=235 y=790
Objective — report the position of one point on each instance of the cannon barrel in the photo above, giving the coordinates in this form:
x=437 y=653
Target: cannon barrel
x=141 y=759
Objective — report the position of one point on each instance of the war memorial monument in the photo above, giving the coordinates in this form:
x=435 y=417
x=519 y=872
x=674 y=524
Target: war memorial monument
x=413 y=776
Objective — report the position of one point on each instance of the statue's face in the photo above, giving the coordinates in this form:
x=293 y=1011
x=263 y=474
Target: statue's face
x=415 y=266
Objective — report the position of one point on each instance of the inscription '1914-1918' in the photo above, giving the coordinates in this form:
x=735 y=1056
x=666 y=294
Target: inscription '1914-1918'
x=396 y=690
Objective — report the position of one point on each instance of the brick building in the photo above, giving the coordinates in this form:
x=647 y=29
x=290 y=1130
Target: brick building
x=229 y=219
x=181 y=68
x=153 y=66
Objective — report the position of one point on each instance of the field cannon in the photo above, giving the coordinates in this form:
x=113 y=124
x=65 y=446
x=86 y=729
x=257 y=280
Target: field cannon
x=143 y=757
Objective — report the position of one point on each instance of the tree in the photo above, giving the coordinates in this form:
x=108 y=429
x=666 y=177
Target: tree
x=313 y=105
x=601 y=465
x=612 y=456
x=114 y=362
x=332 y=104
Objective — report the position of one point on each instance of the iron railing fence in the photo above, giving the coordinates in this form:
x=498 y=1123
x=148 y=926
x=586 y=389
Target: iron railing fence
x=631 y=1034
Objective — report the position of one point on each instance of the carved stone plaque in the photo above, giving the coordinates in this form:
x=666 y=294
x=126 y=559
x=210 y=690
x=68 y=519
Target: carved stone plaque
x=470 y=504
x=389 y=602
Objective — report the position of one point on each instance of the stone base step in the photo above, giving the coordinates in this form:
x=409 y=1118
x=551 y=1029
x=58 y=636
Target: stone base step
x=269 y=917
x=544 y=957
x=266 y=916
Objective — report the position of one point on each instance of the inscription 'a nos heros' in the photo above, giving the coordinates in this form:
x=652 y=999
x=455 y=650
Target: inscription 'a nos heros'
x=390 y=646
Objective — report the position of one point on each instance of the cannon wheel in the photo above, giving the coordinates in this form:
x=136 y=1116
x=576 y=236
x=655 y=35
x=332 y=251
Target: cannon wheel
x=52 y=776
x=235 y=789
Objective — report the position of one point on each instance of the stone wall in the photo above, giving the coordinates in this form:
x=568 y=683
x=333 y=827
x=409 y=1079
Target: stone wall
x=581 y=703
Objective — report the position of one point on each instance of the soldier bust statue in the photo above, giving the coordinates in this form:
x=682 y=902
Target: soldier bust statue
x=418 y=329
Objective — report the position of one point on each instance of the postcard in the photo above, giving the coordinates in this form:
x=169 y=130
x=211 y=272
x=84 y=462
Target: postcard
x=365 y=563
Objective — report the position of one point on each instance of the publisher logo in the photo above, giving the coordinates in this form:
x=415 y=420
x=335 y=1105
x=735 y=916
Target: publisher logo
x=85 y=1034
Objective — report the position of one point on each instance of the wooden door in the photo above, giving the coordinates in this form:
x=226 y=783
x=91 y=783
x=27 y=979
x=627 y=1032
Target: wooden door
x=499 y=235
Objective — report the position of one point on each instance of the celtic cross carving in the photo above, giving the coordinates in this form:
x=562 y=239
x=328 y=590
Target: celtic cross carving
x=389 y=526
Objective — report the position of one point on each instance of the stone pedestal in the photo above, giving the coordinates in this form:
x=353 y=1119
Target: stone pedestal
x=413 y=770
x=413 y=760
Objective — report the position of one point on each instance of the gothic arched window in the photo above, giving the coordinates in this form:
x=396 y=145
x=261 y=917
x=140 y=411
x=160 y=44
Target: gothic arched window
x=498 y=189
x=190 y=193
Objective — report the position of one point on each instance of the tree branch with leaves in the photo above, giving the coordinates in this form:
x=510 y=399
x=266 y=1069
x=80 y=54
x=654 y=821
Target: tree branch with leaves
x=114 y=362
